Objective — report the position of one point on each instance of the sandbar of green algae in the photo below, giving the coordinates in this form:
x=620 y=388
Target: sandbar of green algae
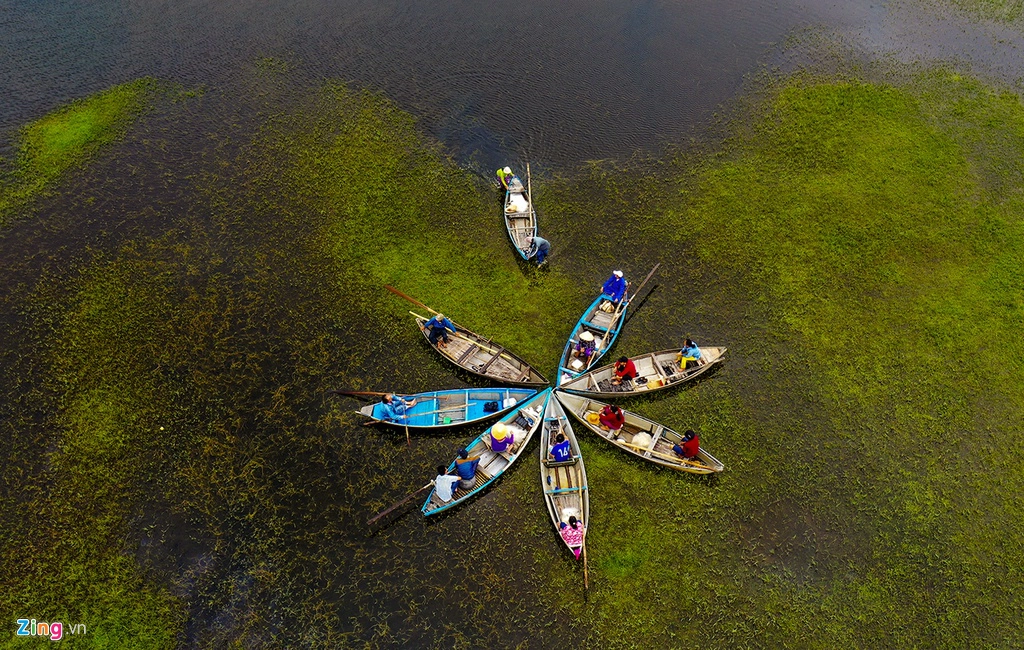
x=870 y=497
x=67 y=137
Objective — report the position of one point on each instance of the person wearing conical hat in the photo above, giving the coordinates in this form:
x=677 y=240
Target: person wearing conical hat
x=585 y=347
x=504 y=175
x=615 y=286
x=501 y=438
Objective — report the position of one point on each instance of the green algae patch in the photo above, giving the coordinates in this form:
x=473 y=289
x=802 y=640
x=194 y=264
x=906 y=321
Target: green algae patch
x=74 y=564
x=67 y=137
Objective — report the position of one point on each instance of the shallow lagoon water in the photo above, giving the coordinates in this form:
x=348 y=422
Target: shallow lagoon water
x=275 y=549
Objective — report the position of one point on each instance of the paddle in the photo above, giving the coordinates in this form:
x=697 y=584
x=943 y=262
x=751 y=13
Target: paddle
x=371 y=520
x=412 y=300
x=583 y=543
x=358 y=393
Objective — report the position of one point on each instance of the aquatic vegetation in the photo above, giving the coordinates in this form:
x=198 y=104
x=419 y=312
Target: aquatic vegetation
x=855 y=243
x=68 y=136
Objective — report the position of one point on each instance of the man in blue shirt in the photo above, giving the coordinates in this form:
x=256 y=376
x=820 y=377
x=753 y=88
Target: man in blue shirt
x=615 y=286
x=466 y=467
x=437 y=327
x=561 y=450
x=393 y=407
x=539 y=247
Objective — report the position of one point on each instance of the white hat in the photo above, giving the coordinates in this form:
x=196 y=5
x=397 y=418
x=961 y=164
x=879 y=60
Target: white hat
x=617 y=273
x=586 y=336
x=507 y=170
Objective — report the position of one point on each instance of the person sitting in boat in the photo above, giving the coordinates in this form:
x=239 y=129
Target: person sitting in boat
x=561 y=450
x=572 y=533
x=624 y=369
x=689 y=356
x=538 y=247
x=504 y=175
x=466 y=468
x=444 y=484
x=612 y=417
x=690 y=446
x=501 y=438
x=585 y=347
x=615 y=286
x=394 y=408
x=437 y=328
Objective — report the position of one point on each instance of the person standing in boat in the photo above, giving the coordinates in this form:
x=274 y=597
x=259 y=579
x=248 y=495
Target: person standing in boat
x=501 y=438
x=505 y=176
x=561 y=451
x=437 y=327
x=615 y=286
x=624 y=369
x=689 y=356
x=394 y=408
x=444 y=484
x=690 y=447
x=612 y=417
x=539 y=247
x=466 y=468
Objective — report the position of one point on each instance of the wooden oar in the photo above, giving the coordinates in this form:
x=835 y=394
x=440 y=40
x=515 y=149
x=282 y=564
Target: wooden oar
x=412 y=300
x=640 y=288
x=408 y=440
x=371 y=520
x=359 y=393
x=406 y=416
x=583 y=542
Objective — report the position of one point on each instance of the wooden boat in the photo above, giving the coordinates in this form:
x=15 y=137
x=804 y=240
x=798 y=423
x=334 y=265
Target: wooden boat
x=485 y=358
x=603 y=325
x=655 y=371
x=658 y=450
x=520 y=217
x=523 y=421
x=564 y=484
x=449 y=408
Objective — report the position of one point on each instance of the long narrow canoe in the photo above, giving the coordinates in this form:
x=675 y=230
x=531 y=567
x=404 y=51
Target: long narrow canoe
x=520 y=217
x=658 y=450
x=484 y=358
x=523 y=422
x=450 y=408
x=655 y=371
x=604 y=325
x=564 y=484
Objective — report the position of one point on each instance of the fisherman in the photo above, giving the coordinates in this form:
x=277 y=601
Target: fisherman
x=690 y=447
x=501 y=438
x=437 y=327
x=615 y=286
x=689 y=356
x=505 y=176
x=612 y=417
x=572 y=533
x=585 y=347
x=466 y=467
x=560 y=451
x=394 y=408
x=539 y=247
x=624 y=369
x=444 y=484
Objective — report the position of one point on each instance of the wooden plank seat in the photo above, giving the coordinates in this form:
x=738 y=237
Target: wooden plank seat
x=468 y=353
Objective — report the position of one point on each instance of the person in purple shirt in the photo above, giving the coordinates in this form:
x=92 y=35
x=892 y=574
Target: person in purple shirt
x=501 y=438
x=615 y=286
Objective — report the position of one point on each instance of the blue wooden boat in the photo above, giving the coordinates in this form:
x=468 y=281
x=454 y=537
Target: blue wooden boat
x=449 y=408
x=520 y=217
x=523 y=421
x=603 y=320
